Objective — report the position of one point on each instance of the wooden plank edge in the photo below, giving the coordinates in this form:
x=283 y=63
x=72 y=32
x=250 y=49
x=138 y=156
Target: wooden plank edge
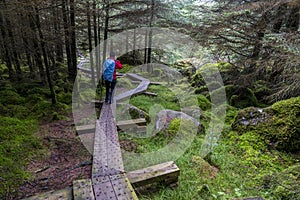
x=166 y=172
x=63 y=194
x=83 y=189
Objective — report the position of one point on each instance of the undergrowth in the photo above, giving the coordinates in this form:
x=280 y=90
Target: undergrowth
x=18 y=144
x=241 y=165
x=23 y=106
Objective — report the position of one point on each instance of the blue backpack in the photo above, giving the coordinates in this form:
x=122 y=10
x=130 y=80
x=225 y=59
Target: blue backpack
x=108 y=69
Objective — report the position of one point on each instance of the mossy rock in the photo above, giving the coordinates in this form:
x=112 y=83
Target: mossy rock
x=214 y=85
x=283 y=130
x=278 y=124
x=197 y=80
x=244 y=97
x=249 y=118
x=201 y=90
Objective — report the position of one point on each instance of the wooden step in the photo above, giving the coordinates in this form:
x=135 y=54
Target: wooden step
x=115 y=187
x=121 y=125
x=167 y=173
x=150 y=94
x=85 y=129
x=126 y=124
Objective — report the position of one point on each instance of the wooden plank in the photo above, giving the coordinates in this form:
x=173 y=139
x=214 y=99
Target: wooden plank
x=64 y=194
x=126 y=124
x=100 y=150
x=115 y=161
x=150 y=94
x=123 y=188
x=82 y=190
x=156 y=83
x=103 y=189
x=143 y=86
x=85 y=129
x=135 y=82
x=97 y=103
x=156 y=173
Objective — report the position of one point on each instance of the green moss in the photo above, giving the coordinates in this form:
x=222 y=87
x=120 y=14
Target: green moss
x=203 y=102
x=125 y=69
x=124 y=82
x=283 y=130
x=45 y=111
x=165 y=97
x=18 y=144
x=65 y=98
x=174 y=126
x=11 y=97
x=286 y=184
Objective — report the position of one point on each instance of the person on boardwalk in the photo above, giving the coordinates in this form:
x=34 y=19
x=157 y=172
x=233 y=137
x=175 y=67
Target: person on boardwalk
x=109 y=74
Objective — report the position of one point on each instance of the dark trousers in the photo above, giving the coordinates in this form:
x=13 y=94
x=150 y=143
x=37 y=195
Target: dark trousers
x=110 y=86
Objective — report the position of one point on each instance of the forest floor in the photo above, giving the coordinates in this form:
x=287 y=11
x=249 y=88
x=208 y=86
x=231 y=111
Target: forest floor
x=63 y=160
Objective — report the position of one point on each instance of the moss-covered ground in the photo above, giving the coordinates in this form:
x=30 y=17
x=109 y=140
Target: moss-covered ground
x=243 y=164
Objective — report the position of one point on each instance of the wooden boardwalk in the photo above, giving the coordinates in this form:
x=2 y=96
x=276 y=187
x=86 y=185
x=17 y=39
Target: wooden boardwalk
x=108 y=176
x=109 y=180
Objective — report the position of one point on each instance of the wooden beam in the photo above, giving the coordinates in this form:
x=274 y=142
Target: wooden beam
x=156 y=83
x=151 y=83
x=121 y=125
x=126 y=124
x=166 y=172
x=84 y=129
x=150 y=94
x=54 y=195
x=82 y=189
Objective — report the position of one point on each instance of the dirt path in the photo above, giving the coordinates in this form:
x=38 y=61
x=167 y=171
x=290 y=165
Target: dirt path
x=65 y=159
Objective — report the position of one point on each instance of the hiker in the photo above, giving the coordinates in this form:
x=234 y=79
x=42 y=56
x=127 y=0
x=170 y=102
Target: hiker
x=110 y=76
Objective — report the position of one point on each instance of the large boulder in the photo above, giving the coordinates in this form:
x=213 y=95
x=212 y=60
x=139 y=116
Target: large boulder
x=165 y=117
x=278 y=124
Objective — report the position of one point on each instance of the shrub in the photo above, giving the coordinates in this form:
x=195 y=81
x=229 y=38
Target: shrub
x=11 y=97
x=65 y=98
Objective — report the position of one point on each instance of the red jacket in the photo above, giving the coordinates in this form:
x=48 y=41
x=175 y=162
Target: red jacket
x=117 y=66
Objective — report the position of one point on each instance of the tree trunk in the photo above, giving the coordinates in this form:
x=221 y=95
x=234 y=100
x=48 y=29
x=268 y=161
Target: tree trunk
x=279 y=18
x=293 y=19
x=146 y=47
x=150 y=36
x=67 y=36
x=106 y=5
x=36 y=50
x=7 y=57
x=14 y=51
x=90 y=42
x=73 y=41
x=134 y=46
x=46 y=63
x=59 y=55
x=97 y=53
